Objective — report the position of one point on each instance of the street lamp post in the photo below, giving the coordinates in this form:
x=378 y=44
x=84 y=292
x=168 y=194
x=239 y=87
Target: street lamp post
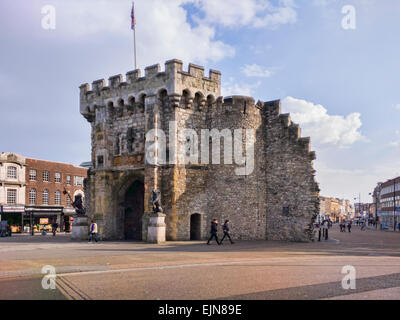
x=375 y=195
x=359 y=203
x=394 y=205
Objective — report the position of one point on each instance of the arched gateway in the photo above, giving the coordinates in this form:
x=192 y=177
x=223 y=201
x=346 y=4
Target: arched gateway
x=134 y=209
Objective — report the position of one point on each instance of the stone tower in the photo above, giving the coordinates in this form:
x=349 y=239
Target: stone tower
x=277 y=199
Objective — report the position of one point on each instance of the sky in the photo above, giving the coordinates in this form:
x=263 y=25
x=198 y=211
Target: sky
x=335 y=69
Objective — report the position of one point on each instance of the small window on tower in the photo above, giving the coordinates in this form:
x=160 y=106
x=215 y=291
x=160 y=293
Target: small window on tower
x=100 y=161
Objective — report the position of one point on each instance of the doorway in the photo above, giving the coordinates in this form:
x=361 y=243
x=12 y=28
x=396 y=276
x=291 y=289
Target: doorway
x=134 y=209
x=195 y=227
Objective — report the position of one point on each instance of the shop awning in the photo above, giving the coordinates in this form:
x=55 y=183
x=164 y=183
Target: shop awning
x=10 y=209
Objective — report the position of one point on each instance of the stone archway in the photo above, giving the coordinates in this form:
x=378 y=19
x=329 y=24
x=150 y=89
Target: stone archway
x=195 y=226
x=133 y=211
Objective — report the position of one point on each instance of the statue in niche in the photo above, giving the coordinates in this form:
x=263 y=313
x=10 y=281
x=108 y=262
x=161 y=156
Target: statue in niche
x=117 y=148
x=130 y=138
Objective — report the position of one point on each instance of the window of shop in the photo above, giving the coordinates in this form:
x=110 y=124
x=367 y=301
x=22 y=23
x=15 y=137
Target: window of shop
x=11 y=196
x=69 y=180
x=68 y=201
x=57 y=198
x=45 y=197
x=12 y=172
x=57 y=177
x=46 y=176
x=32 y=196
x=32 y=175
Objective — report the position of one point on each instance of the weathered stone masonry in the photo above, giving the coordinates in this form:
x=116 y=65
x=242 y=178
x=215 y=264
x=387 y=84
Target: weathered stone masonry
x=277 y=201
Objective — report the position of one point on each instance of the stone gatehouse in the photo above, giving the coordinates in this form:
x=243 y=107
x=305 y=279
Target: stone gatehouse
x=275 y=199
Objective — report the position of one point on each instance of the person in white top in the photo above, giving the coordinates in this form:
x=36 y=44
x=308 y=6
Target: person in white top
x=93 y=232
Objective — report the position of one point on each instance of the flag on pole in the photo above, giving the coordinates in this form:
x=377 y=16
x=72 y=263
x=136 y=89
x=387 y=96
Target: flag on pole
x=133 y=20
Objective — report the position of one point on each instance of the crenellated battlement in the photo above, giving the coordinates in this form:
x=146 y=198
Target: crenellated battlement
x=273 y=111
x=133 y=85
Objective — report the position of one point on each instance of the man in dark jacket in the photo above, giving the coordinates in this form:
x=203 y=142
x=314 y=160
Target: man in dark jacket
x=225 y=228
x=214 y=229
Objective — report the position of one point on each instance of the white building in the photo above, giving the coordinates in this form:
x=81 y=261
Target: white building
x=12 y=183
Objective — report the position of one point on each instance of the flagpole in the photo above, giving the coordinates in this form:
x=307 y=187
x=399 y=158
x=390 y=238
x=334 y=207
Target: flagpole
x=134 y=45
x=133 y=25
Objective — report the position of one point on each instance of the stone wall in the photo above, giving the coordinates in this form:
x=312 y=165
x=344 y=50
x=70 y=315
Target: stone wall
x=292 y=193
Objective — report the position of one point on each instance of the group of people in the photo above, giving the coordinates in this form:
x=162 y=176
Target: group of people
x=214 y=232
x=343 y=225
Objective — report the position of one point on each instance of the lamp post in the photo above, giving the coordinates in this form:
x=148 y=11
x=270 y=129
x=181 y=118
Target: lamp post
x=375 y=196
x=359 y=203
x=394 y=205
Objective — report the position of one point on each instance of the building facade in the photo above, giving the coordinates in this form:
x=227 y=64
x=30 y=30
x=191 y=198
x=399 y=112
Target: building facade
x=31 y=189
x=389 y=206
x=12 y=186
x=336 y=209
x=146 y=133
x=51 y=188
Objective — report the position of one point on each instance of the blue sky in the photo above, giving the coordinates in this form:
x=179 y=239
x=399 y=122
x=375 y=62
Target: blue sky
x=340 y=85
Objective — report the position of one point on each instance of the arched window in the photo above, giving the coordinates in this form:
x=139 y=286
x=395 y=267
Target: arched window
x=210 y=101
x=163 y=97
x=57 y=198
x=110 y=108
x=142 y=103
x=32 y=196
x=198 y=101
x=131 y=104
x=45 y=197
x=185 y=99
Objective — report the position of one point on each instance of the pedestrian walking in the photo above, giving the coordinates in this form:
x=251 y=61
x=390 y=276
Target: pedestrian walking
x=349 y=226
x=214 y=230
x=54 y=227
x=342 y=226
x=93 y=232
x=225 y=228
x=325 y=226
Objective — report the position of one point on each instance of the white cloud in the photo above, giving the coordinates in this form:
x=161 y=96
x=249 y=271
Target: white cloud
x=324 y=129
x=231 y=87
x=254 y=70
x=255 y=13
x=163 y=29
x=397 y=106
x=348 y=182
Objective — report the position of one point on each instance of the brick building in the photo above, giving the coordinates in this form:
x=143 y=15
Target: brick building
x=42 y=184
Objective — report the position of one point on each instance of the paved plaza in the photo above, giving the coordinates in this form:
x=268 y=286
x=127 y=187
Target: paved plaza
x=193 y=270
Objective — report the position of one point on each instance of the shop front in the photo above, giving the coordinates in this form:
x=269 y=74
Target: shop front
x=386 y=219
x=38 y=219
x=14 y=216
